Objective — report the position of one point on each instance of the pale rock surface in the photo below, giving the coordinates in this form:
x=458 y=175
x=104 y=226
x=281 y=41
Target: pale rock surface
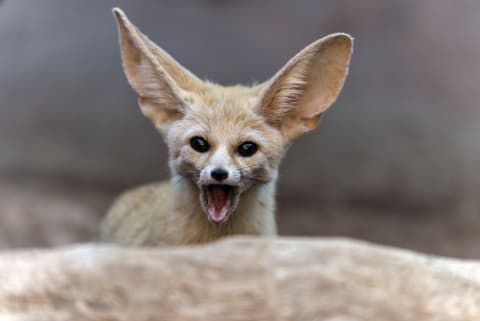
x=238 y=279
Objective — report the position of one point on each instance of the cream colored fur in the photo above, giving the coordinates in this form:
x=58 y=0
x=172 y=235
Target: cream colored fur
x=181 y=106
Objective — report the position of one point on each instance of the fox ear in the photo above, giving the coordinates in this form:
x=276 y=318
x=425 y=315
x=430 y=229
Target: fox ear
x=161 y=83
x=294 y=99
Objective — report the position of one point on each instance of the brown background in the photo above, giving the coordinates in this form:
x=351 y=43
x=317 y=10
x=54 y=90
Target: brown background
x=395 y=161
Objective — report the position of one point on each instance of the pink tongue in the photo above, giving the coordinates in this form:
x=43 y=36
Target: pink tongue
x=218 y=201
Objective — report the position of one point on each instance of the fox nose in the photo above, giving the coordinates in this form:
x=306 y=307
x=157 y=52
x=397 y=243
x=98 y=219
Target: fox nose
x=219 y=174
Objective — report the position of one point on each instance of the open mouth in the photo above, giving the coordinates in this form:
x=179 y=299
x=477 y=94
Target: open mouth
x=219 y=200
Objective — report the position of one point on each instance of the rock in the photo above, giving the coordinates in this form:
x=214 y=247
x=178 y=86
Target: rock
x=238 y=279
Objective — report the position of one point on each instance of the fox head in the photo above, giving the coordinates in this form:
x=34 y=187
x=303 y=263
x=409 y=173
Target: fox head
x=227 y=139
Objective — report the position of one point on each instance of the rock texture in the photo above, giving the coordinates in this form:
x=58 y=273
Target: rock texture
x=238 y=279
x=395 y=161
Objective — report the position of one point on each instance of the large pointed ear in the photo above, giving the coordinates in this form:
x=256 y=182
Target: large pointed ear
x=294 y=99
x=161 y=83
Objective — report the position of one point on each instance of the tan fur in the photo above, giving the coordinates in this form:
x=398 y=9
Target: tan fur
x=182 y=106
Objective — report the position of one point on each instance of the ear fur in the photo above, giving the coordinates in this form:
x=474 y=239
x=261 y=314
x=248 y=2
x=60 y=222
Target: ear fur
x=294 y=99
x=160 y=82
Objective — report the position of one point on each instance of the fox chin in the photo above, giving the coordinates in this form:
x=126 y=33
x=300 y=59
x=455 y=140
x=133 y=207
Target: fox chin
x=225 y=143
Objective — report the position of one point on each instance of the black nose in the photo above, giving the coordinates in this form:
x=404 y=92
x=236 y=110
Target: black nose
x=219 y=174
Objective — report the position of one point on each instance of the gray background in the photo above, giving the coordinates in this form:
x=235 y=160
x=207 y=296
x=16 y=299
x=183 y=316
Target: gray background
x=396 y=159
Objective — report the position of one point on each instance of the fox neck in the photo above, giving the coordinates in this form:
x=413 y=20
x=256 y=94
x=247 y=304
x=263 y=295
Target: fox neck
x=188 y=222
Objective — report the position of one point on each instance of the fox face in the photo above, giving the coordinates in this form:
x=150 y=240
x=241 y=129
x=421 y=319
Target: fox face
x=224 y=147
x=225 y=140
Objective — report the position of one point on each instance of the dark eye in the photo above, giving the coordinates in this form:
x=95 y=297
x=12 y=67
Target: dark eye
x=199 y=144
x=247 y=149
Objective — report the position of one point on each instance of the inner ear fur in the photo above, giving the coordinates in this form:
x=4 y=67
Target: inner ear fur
x=160 y=82
x=294 y=99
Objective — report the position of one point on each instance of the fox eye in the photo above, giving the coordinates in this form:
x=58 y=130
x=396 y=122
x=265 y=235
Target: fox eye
x=199 y=144
x=247 y=149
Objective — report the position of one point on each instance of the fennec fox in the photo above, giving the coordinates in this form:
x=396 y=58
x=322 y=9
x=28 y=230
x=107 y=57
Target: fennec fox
x=225 y=143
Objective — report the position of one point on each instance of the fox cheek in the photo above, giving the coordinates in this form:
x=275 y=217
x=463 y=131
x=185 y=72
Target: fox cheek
x=185 y=164
x=236 y=175
x=264 y=174
x=259 y=172
x=183 y=167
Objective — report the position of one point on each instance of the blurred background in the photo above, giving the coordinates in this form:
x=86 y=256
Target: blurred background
x=396 y=160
